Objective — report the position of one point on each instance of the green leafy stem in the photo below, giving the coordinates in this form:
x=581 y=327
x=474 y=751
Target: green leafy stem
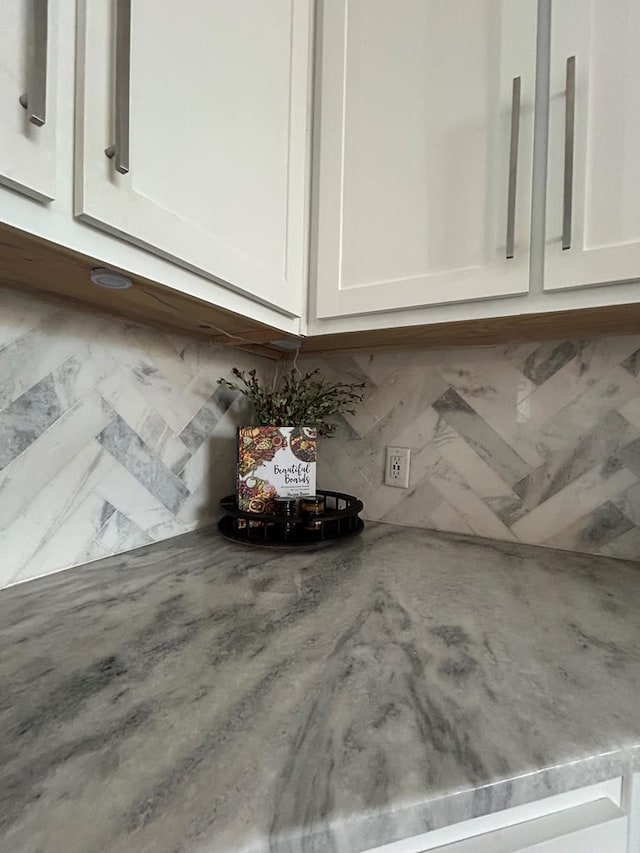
x=298 y=399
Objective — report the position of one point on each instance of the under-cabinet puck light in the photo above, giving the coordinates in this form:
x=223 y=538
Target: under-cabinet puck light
x=110 y=279
x=286 y=345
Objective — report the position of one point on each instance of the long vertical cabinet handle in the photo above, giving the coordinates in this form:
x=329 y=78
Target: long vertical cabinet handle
x=120 y=150
x=513 y=166
x=569 y=135
x=35 y=98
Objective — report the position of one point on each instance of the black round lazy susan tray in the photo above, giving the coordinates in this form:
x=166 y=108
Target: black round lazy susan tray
x=338 y=521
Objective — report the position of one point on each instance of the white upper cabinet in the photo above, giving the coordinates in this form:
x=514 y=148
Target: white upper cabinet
x=420 y=127
x=207 y=106
x=593 y=209
x=28 y=45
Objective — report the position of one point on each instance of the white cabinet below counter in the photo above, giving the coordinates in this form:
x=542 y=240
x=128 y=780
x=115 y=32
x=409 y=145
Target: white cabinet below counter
x=205 y=109
x=602 y=818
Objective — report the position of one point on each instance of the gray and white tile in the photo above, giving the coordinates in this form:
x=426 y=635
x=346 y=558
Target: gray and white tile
x=23 y=478
x=90 y=415
x=537 y=442
x=480 y=436
x=132 y=453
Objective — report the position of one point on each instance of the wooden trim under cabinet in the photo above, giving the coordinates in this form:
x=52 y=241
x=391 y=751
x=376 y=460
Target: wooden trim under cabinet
x=28 y=263
x=551 y=325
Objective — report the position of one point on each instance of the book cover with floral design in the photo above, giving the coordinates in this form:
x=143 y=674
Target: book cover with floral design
x=275 y=462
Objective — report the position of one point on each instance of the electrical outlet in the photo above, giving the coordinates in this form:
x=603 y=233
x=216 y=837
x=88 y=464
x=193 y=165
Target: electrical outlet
x=396 y=471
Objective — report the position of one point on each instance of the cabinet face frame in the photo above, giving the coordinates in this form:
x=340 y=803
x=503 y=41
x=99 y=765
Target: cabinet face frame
x=114 y=203
x=338 y=293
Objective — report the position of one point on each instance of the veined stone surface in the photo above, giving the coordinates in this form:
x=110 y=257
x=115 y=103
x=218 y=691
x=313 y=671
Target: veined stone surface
x=111 y=435
x=196 y=695
x=536 y=443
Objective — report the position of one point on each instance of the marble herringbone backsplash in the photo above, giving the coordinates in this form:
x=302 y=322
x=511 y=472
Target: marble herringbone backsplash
x=538 y=443
x=111 y=435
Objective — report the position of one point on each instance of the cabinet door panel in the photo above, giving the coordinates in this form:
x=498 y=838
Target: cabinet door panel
x=218 y=127
x=415 y=120
x=27 y=151
x=603 y=36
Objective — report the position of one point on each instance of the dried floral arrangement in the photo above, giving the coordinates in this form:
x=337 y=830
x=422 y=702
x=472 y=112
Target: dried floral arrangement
x=297 y=399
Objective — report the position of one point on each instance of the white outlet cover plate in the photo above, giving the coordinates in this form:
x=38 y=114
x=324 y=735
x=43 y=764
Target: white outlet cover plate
x=396 y=471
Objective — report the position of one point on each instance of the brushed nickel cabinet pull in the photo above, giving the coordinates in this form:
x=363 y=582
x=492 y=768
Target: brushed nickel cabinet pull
x=35 y=98
x=569 y=135
x=119 y=151
x=513 y=166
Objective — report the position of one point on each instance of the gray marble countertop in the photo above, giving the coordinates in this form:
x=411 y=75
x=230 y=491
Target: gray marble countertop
x=199 y=696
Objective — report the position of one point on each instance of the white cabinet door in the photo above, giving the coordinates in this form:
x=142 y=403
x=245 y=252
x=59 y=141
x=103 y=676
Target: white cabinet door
x=415 y=112
x=27 y=72
x=218 y=114
x=602 y=240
